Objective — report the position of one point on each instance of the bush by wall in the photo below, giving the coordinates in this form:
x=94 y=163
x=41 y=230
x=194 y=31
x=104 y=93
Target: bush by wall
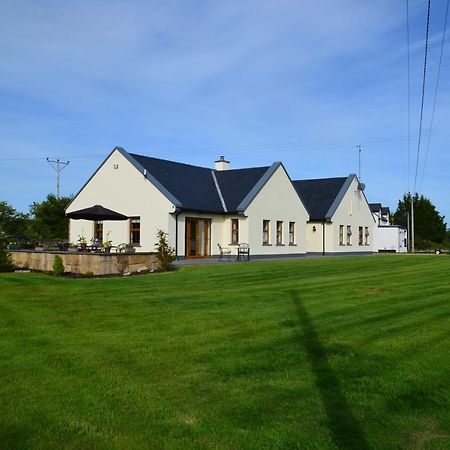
x=58 y=266
x=6 y=263
x=164 y=253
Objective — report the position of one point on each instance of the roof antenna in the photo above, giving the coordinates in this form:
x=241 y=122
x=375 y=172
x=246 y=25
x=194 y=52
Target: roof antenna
x=359 y=161
x=361 y=186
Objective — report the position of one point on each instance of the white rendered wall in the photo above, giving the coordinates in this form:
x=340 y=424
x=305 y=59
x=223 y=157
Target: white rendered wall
x=314 y=237
x=276 y=201
x=126 y=191
x=354 y=211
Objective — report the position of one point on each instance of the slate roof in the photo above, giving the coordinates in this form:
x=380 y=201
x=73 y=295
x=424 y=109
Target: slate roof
x=235 y=184
x=375 y=207
x=318 y=195
x=195 y=188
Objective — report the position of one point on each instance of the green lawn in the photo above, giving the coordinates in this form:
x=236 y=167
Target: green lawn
x=333 y=353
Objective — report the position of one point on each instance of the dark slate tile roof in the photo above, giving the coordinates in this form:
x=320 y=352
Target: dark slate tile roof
x=194 y=186
x=235 y=184
x=375 y=207
x=318 y=195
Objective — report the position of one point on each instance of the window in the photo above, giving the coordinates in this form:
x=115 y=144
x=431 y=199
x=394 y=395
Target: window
x=349 y=235
x=266 y=232
x=235 y=231
x=98 y=231
x=291 y=233
x=341 y=234
x=135 y=230
x=366 y=235
x=360 y=236
x=279 y=232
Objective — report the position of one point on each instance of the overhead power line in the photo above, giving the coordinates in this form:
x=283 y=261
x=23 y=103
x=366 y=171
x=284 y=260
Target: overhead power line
x=326 y=144
x=423 y=96
x=409 y=96
x=435 y=94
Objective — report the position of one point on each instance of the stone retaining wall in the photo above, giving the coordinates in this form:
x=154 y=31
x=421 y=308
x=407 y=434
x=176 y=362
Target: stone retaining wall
x=86 y=263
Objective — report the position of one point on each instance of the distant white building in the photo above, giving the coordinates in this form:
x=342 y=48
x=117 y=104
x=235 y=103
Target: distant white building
x=387 y=237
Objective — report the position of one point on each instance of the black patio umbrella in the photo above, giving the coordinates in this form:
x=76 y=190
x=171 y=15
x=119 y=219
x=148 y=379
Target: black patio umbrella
x=96 y=212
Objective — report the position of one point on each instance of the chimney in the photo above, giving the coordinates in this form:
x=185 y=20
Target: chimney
x=222 y=164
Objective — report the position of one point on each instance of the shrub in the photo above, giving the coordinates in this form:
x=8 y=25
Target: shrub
x=58 y=266
x=6 y=263
x=164 y=253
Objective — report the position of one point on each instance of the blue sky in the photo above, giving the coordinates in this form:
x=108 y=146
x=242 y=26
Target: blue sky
x=257 y=81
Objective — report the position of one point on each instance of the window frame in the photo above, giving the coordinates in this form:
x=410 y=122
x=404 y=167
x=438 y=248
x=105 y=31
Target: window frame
x=341 y=235
x=279 y=232
x=366 y=236
x=133 y=230
x=349 y=235
x=234 y=232
x=98 y=230
x=266 y=232
x=292 y=233
x=361 y=235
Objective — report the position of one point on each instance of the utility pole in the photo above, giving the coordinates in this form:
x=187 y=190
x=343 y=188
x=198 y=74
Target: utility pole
x=58 y=166
x=359 y=161
x=409 y=231
x=412 y=224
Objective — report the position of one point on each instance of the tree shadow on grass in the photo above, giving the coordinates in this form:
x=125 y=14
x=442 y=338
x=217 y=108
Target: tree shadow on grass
x=345 y=429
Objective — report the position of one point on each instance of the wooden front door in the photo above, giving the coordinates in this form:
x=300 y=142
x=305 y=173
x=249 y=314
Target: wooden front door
x=198 y=238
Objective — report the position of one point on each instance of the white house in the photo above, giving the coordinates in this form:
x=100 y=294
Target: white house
x=340 y=218
x=387 y=237
x=198 y=207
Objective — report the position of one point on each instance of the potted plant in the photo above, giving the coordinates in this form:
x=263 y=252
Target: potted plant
x=82 y=242
x=14 y=245
x=107 y=244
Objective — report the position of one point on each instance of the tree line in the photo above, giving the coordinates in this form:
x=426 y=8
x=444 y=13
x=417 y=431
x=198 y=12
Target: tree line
x=430 y=230
x=45 y=220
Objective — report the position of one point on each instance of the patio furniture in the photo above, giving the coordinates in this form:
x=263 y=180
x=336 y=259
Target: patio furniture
x=243 y=252
x=224 y=251
x=96 y=212
x=125 y=248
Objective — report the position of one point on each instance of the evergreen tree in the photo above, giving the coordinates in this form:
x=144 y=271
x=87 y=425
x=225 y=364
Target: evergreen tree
x=429 y=225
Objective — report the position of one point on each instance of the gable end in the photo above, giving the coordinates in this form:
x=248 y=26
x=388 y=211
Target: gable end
x=258 y=186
